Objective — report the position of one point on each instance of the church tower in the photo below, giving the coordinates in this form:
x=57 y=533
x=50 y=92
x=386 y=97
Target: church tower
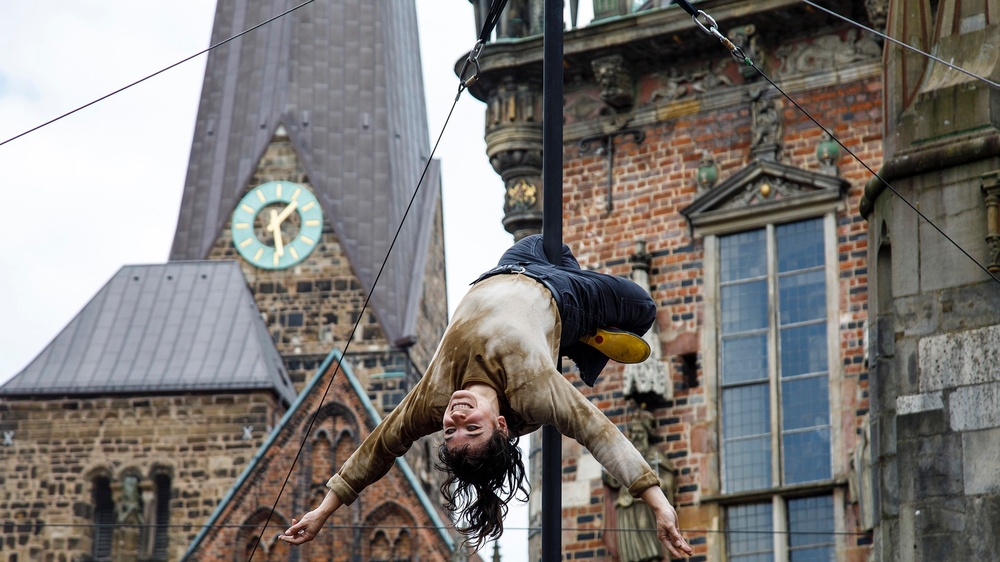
x=163 y=421
x=319 y=117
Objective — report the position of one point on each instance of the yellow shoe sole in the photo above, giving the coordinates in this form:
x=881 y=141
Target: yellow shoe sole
x=623 y=347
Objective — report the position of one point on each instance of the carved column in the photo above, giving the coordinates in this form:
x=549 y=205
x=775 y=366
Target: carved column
x=765 y=124
x=514 y=147
x=991 y=188
x=648 y=381
x=128 y=519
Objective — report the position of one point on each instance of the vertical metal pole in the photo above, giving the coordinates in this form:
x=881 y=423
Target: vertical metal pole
x=552 y=162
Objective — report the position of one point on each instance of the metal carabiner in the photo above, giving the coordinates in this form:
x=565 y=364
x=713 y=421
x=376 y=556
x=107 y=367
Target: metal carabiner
x=711 y=21
x=713 y=30
x=473 y=60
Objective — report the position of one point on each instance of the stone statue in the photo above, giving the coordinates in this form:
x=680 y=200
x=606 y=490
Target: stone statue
x=636 y=540
x=130 y=519
x=616 y=82
x=765 y=125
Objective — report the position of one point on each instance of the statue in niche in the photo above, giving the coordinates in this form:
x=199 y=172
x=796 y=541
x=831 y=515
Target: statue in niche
x=765 y=125
x=637 y=541
x=130 y=519
x=615 y=81
x=878 y=14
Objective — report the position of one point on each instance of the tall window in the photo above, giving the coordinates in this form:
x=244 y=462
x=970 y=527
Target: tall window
x=774 y=383
x=104 y=519
x=161 y=532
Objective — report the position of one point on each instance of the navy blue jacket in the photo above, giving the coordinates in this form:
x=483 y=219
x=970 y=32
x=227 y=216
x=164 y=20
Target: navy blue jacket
x=587 y=300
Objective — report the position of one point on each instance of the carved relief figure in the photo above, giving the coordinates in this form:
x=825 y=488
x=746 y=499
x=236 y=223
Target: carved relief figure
x=674 y=84
x=765 y=125
x=829 y=51
x=129 y=518
x=636 y=540
x=615 y=80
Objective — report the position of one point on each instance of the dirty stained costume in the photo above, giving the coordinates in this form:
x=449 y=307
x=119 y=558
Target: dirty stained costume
x=508 y=332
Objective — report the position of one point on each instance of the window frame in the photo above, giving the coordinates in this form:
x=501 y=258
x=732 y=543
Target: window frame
x=778 y=493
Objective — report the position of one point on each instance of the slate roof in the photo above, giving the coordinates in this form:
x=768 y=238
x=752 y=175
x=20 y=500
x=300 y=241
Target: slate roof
x=344 y=79
x=178 y=327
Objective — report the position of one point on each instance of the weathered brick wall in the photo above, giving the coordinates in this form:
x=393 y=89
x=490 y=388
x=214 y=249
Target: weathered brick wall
x=652 y=183
x=60 y=445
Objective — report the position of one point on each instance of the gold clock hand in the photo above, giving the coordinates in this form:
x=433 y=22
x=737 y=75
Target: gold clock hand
x=275 y=227
x=287 y=211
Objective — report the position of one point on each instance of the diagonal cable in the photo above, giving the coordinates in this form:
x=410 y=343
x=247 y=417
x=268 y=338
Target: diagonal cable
x=710 y=27
x=157 y=73
x=904 y=45
x=496 y=8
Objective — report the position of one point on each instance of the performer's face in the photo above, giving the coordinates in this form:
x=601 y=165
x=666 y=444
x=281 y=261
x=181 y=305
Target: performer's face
x=470 y=420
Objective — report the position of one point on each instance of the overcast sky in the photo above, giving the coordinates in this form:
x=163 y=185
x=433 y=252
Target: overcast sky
x=102 y=188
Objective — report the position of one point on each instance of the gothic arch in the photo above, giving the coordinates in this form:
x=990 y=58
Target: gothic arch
x=99 y=470
x=393 y=523
x=268 y=546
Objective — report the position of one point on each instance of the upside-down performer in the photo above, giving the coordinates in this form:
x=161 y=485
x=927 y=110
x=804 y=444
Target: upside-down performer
x=494 y=378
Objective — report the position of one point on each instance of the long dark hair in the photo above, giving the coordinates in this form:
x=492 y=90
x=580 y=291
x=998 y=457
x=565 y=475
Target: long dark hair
x=480 y=484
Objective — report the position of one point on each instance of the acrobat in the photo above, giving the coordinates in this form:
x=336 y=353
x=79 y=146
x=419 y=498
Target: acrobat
x=494 y=378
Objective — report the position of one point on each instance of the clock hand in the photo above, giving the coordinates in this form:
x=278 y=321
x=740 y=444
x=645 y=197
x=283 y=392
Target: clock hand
x=287 y=211
x=275 y=227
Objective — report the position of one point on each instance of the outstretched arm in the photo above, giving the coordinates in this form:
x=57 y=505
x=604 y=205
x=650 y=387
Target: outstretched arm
x=666 y=522
x=311 y=523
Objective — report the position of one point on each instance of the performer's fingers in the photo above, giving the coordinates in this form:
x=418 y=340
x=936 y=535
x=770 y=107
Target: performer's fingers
x=677 y=544
x=295 y=534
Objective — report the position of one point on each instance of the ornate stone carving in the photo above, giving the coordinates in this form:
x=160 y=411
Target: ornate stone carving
x=675 y=84
x=746 y=38
x=581 y=106
x=708 y=172
x=991 y=189
x=878 y=13
x=765 y=125
x=130 y=517
x=616 y=82
x=649 y=380
x=860 y=476
x=826 y=53
x=521 y=196
x=635 y=540
x=514 y=147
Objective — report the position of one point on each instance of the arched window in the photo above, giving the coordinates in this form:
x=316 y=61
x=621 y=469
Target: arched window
x=161 y=523
x=104 y=519
x=402 y=549
x=381 y=551
x=322 y=459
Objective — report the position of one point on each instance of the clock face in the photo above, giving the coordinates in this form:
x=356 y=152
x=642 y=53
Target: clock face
x=277 y=224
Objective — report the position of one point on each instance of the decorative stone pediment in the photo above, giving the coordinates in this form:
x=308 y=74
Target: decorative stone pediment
x=764 y=191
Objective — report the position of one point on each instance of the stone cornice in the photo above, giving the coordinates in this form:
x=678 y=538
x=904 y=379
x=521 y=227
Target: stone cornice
x=647 y=38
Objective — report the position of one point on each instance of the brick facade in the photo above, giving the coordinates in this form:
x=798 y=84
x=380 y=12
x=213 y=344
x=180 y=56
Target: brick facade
x=653 y=182
x=313 y=307
x=61 y=445
x=48 y=473
x=687 y=102
x=387 y=522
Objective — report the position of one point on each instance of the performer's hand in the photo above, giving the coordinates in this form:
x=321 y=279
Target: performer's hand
x=306 y=529
x=666 y=523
